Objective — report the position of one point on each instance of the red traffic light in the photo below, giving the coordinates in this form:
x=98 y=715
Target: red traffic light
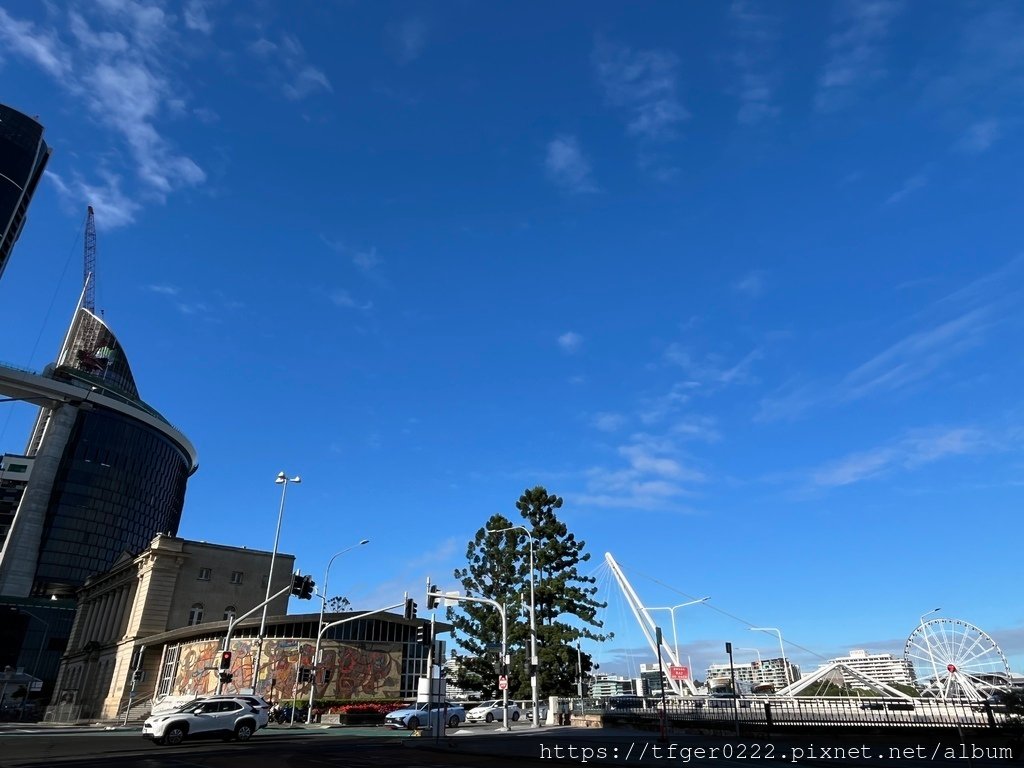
x=225 y=660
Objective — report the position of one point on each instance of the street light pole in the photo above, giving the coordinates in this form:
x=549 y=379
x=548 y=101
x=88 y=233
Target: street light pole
x=323 y=604
x=785 y=663
x=672 y=609
x=283 y=480
x=533 y=627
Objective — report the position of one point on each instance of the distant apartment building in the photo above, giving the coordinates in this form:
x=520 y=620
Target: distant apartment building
x=754 y=673
x=23 y=156
x=613 y=685
x=883 y=667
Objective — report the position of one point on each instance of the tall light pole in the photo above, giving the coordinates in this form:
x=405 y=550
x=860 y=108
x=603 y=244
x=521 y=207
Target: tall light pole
x=785 y=663
x=283 y=480
x=323 y=604
x=928 y=643
x=758 y=652
x=533 y=625
x=672 y=609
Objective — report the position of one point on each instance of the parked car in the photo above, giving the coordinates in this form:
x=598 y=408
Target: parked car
x=422 y=714
x=542 y=708
x=229 y=718
x=489 y=711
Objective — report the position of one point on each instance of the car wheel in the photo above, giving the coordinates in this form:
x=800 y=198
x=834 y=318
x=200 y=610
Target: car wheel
x=243 y=731
x=414 y=723
x=174 y=735
x=453 y=721
x=515 y=716
x=489 y=718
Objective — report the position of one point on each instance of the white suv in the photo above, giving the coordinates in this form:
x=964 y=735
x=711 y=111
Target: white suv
x=229 y=718
x=260 y=705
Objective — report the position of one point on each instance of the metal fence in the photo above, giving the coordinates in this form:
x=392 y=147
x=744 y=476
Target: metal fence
x=777 y=713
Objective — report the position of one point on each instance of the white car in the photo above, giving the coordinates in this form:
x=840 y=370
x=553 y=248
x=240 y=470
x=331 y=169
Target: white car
x=229 y=718
x=421 y=714
x=489 y=711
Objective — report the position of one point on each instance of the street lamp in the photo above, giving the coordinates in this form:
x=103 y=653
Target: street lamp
x=672 y=609
x=283 y=480
x=785 y=664
x=319 y=626
x=928 y=643
x=533 y=625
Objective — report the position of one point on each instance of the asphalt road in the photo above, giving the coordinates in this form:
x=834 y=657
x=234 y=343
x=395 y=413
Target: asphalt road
x=280 y=748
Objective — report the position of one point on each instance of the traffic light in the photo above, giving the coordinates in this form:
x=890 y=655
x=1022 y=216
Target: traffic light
x=225 y=660
x=302 y=586
x=410 y=609
x=423 y=634
x=327 y=676
x=433 y=598
x=305 y=674
x=225 y=677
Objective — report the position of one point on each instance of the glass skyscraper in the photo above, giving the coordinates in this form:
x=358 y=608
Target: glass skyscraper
x=23 y=156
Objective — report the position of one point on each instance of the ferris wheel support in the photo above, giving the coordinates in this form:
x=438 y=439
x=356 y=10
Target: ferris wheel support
x=647 y=625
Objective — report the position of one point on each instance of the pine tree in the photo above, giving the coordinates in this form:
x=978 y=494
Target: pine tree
x=498 y=568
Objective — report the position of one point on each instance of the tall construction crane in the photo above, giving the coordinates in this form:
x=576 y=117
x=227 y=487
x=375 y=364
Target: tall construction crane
x=89 y=301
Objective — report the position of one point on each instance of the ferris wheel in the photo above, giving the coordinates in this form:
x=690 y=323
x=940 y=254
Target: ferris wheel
x=953 y=659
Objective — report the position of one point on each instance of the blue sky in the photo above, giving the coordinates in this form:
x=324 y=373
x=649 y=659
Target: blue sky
x=740 y=281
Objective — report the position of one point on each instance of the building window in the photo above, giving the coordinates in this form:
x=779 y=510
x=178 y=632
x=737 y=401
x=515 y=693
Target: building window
x=229 y=613
x=17 y=467
x=204 y=574
x=236 y=577
x=195 y=614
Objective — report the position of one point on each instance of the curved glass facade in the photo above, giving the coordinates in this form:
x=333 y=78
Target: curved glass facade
x=23 y=156
x=119 y=483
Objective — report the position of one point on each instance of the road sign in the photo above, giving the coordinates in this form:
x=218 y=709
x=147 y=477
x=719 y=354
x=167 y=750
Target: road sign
x=502 y=682
x=678 y=673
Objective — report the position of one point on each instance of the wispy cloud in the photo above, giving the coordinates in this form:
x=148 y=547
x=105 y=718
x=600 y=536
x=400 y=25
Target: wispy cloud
x=751 y=284
x=979 y=137
x=713 y=370
x=608 y=422
x=408 y=38
x=570 y=342
x=856 y=58
x=910 y=186
x=344 y=299
x=645 y=85
x=918 y=355
x=115 y=61
x=913 y=451
x=289 y=67
x=166 y=290
x=653 y=478
x=197 y=18
x=756 y=33
x=567 y=167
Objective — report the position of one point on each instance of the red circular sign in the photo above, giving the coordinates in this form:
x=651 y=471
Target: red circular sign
x=951 y=667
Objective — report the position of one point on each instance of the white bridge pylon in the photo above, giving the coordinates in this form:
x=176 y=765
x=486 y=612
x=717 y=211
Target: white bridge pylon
x=649 y=628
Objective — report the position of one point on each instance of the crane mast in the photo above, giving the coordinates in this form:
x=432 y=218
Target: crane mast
x=89 y=302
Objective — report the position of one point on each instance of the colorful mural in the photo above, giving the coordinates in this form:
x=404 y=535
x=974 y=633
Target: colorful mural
x=366 y=671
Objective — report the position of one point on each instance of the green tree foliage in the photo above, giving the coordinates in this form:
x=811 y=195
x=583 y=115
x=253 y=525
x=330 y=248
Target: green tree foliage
x=498 y=568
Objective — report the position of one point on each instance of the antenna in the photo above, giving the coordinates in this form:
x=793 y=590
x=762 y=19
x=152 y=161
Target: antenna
x=90 y=262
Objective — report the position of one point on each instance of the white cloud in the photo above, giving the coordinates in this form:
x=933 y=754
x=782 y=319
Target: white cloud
x=644 y=83
x=197 y=18
x=166 y=290
x=41 y=47
x=114 y=208
x=979 y=137
x=914 y=450
x=608 y=422
x=751 y=284
x=343 y=298
x=366 y=260
x=570 y=341
x=712 y=371
x=756 y=33
x=911 y=185
x=855 y=52
x=408 y=38
x=567 y=167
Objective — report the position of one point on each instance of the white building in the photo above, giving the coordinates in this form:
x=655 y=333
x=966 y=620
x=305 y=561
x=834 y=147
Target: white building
x=883 y=667
x=612 y=685
x=754 y=673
